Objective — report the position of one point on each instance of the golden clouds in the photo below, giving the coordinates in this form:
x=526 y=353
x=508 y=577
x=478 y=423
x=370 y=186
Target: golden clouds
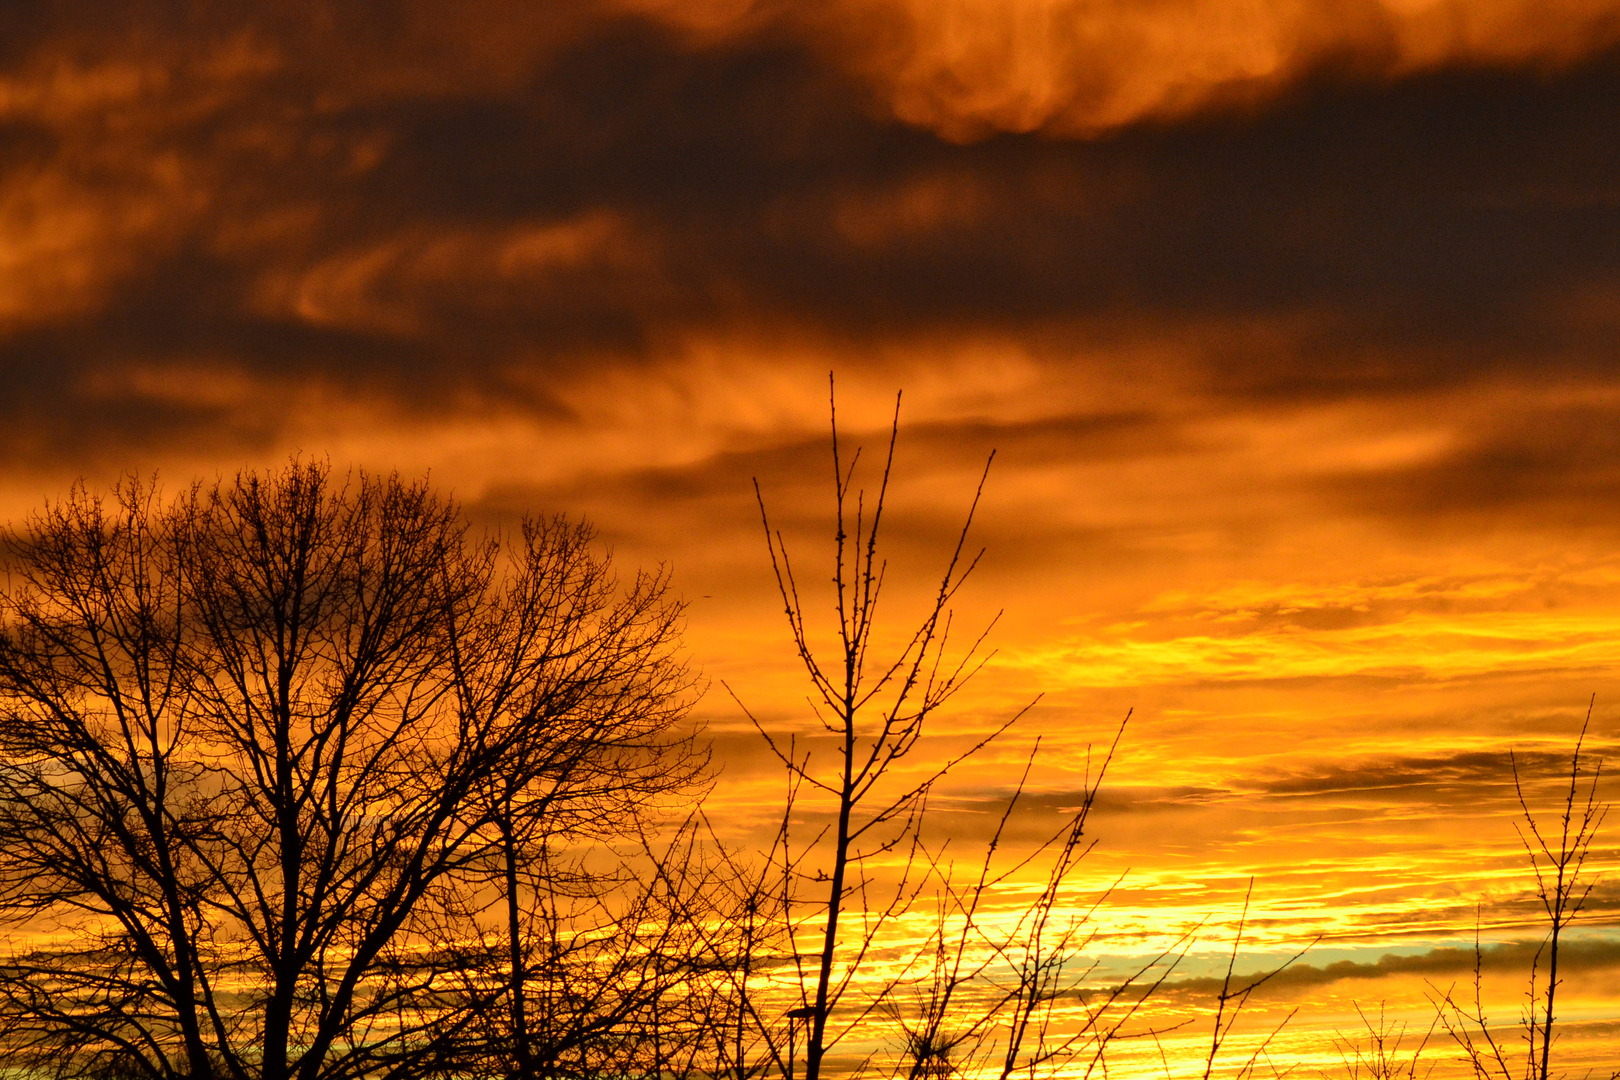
x=73 y=222
x=970 y=68
x=395 y=286
x=1272 y=640
x=967 y=68
x=60 y=243
x=1070 y=68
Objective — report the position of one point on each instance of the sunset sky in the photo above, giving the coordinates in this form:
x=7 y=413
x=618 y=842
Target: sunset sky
x=1294 y=326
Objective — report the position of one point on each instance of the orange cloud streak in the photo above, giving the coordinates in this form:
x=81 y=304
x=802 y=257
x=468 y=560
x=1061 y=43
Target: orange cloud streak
x=969 y=68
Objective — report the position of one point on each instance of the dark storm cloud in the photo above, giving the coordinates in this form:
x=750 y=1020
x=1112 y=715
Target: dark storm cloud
x=343 y=197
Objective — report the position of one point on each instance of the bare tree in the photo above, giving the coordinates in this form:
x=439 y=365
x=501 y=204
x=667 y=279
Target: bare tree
x=262 y=749
x=1561 y=885
x=1558 y=862
x=977 y=990
x=875 y=711
x=1013 y=996
x=1385 y=1050
x=1234 y=996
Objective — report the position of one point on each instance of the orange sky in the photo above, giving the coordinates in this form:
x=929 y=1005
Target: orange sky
x=1293 y=324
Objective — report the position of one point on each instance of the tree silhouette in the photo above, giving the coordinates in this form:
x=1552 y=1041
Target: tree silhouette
x=1558 y=862
x=977 y=992
x=266 y=751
